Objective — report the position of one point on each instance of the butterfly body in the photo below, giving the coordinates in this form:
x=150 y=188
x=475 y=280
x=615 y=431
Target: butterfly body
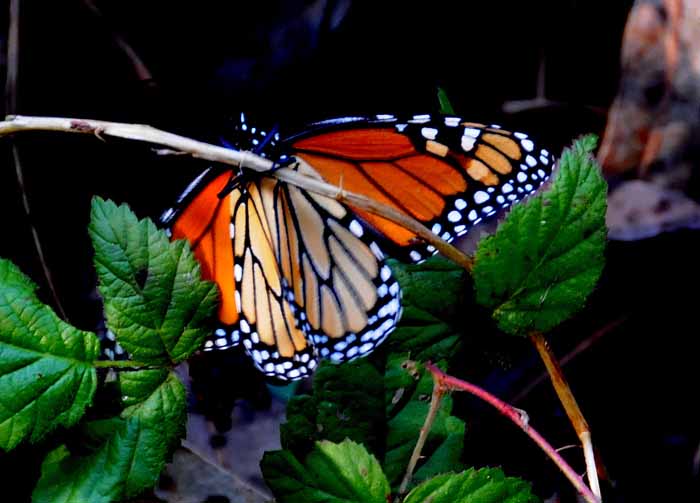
x=303 y=276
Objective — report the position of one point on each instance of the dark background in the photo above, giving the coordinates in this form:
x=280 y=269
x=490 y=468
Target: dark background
x=282 y=62
x=290 y=62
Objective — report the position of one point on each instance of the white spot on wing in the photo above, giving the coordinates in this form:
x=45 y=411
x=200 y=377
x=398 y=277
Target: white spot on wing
x=480 y=197
x=385 y=273
x=473 y=132
x=454 y=216
x=467 y=143
x=429 y=133
x=356 y=228
x=167 y=215
x=366 y=348
x=375 y=249
x=527 y=145
x=192 y=185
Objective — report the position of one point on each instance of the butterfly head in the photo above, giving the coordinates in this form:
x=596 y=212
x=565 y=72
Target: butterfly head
x=244 y=136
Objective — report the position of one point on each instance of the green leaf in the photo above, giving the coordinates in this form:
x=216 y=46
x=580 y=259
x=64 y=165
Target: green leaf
x=46 y=374
x=433 y=297
x=347 y=402
x=445 y=105
x=408 y=391
x=331 y=473
x=155 y=301
x=487 y=485
x=131 y=450
x=546 y=257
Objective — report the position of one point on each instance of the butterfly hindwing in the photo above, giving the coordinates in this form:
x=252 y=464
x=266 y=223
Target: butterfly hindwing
x=345 y=295
x=267 y=324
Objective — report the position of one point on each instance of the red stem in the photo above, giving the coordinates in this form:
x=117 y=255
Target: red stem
x=515 y=416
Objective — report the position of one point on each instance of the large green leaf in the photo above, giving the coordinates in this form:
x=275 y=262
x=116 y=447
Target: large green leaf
x=46 y=373
x=408 y=389
x=546 y=257
x=128 y=452
x=331 y=473
x=433 y=294
x=155 y=301
x=347 y=402
x=487 y=485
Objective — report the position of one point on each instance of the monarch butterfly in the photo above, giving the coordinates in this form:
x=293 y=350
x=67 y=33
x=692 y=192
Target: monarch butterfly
x=302 y=275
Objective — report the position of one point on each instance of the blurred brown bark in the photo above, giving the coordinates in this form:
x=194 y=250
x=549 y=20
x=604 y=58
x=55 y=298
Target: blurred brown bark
x=653 y=129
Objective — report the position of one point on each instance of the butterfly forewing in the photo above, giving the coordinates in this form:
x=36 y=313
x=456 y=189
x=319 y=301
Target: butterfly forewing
x=445 y=172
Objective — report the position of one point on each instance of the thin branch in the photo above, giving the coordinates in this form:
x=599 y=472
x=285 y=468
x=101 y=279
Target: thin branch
x=435 y=401
x=568 y=401
x=140 y=68
x=580 y=348
x=11 y=108
x=516 y=416
x=12 y=58
x=202 y=150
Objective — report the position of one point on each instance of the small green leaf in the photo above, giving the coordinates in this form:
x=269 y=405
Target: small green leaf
x=131 y=450
x=347 y=402
x=546 y=257
x=408 y=391
x=331 y=473
x=155 y=301
x=487 y=485
x=433 y=294
x=46 y=374
x=445 y=105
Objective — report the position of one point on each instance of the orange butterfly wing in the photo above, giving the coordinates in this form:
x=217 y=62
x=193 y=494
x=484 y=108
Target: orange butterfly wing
x=443 y=172
x=205 y=222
